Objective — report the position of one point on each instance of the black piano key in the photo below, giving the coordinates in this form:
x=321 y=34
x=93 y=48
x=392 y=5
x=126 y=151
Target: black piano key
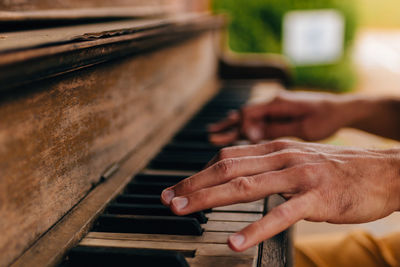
x=192 y=135
x=203 y=156
x=187 y=165
x=170 y=225
x=106 y=256
x=136 y=187
x=191 y=146
x=142 y=199
x=149 y=209
x=159 y=178
x=138 y=199
x=180 y=162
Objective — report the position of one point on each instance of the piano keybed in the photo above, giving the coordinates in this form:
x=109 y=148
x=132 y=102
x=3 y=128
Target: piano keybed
x=137 y=228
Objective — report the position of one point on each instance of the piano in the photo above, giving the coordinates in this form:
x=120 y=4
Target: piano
x=100 y=109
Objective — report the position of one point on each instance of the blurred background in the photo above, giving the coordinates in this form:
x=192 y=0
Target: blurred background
x=332 y=45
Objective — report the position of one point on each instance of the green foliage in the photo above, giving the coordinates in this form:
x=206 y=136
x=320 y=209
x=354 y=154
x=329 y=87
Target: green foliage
x=256 y=26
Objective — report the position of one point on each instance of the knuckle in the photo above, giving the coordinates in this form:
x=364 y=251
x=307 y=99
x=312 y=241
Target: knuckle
x=243 y=185
x=280 y=144
x=224 y=167
x=309 y=170
x=187 y=185
x=279 y=98
x=309 y=177
x=287 y=155
x=284 y=212
x=224 y=153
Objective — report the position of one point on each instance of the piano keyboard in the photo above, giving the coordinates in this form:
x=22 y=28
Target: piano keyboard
x=137 y=230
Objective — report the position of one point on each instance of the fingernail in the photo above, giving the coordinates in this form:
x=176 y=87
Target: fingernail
x=254 y=134
x=180 y=202
x=237 y=240
x=210 y=127
x=168 y=195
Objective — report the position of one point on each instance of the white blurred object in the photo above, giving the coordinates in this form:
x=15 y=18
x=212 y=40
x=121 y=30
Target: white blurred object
x=313 y=37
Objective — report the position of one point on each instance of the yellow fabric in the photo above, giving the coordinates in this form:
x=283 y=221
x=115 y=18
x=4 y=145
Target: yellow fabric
x=355 y=249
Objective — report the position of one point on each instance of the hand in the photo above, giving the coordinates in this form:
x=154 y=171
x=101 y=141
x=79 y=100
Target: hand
x=310 y=116
x=320 y=183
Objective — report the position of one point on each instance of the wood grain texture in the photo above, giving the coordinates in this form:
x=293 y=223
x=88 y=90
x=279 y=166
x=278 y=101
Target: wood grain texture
x=74 y=10
x=47 y=53
x=277 y=251
x=50 y=249
x=201 y=249
x=202 y=261
x=56 y=141
x=29 y=5
x=206 y=237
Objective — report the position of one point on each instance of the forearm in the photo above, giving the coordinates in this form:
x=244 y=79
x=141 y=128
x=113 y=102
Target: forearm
x=379 y=116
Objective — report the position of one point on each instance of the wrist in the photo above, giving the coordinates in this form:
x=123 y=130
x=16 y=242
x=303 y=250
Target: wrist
x=351 y=109
x=357 y=109
x=394 y=186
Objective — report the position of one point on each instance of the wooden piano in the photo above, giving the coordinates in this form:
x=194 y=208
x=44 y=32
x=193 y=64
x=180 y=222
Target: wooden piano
x=100 y=108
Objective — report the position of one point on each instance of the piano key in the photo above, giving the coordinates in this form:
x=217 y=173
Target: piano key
x=138 y=199
x=184 y=161
x=206 y=237
x=190 y=135
x=224 y=226
x=165 y=178
x=252 y=207
x=172 y=225
x=186 y=173
x=201 y=249
x=192 y=146
x=204 y=156
x=147 y=188
x=149 y=209
x=109 y=256
x=233 y=216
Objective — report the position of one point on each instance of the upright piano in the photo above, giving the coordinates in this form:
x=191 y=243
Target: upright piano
x=101 y=107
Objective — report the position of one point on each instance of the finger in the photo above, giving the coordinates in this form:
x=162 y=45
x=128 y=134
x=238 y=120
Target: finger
x=222 y=172
x=232 y=119
x=280 y=129
x=244 y=151
x=276 y=221
x=251 y=150
x=254 y=132
x=223 y=139
x=238 y=190
x=252 y=123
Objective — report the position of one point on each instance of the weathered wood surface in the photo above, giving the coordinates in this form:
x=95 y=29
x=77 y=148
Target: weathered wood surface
x=56 y=140
x=54 y=36
x=277 y=251
x=29 y=5
x=44 y=12
x=34 y=55
x=200 y=249
x=51 y=248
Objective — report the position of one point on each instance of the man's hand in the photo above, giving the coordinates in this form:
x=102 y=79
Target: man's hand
x=320 y=183
x=310 y=116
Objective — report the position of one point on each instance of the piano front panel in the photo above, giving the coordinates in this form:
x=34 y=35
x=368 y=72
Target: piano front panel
x=58 y=136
